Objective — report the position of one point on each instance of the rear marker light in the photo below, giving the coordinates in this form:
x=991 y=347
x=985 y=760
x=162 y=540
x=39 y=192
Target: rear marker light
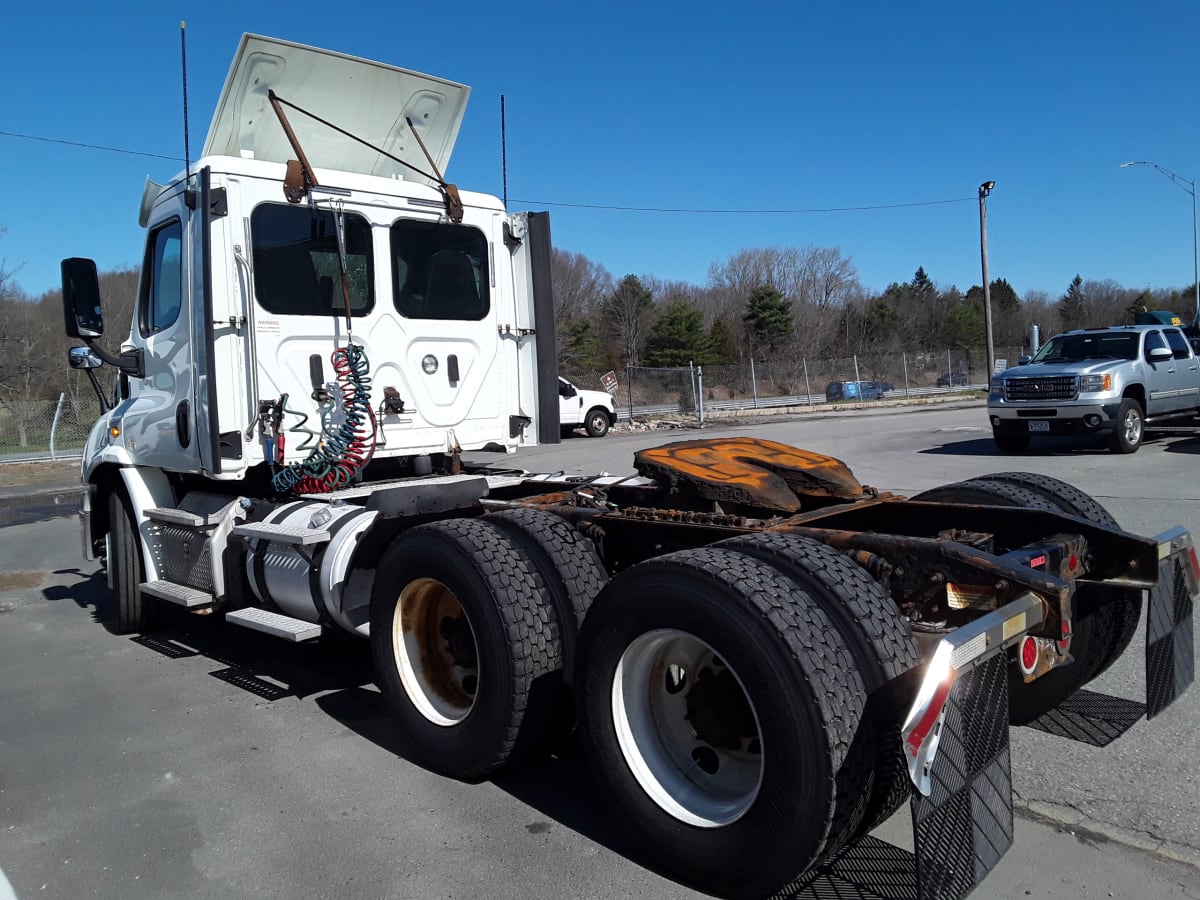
x=1195 y=562
x=1029 y=656
x=1073 y=562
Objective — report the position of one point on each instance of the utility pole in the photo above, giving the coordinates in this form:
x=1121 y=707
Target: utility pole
x=984 y=190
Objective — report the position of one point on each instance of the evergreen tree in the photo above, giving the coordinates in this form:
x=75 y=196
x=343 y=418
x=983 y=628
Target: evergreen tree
x=678 y=337
x=768 y=317
x=722 y=342
x=1073 y=307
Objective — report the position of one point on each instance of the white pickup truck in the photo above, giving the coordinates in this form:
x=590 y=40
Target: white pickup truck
x=1096 y=381
x=594 y=410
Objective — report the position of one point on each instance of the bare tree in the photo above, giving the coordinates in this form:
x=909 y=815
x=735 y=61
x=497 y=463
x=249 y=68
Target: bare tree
x=628 y=314
x=580 y=287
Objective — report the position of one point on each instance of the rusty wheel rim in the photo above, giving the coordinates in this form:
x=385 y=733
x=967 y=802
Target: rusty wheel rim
x=437 y=657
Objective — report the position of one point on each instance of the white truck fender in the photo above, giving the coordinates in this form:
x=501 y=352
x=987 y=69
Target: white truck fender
x=147 y=489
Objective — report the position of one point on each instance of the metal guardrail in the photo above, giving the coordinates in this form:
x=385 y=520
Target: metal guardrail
x=747 y=403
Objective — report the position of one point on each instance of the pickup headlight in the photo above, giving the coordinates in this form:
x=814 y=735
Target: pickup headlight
x=996 y=386
x=1089 y=384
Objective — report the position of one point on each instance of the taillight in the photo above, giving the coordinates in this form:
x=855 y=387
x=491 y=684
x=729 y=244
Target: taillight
x=1028 y=656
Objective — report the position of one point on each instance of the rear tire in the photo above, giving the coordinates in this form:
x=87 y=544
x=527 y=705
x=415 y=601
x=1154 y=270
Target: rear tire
x=1131 y=427
x=568 y=563
x=596 y=422
x=1117 y=610
x=466 y=647
x=1095 y=635
x=718 y=705
x=878 y=637
x=1011 y=443
x=129 y=610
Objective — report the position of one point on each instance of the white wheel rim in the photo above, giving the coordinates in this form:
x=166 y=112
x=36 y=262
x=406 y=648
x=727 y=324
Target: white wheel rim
x=437 y=662
x=692 y=777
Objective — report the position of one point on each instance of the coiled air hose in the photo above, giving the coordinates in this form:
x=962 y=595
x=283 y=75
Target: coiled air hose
x=343 y=450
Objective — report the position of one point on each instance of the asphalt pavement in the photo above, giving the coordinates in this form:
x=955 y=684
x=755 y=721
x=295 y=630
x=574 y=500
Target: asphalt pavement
x=206 y=761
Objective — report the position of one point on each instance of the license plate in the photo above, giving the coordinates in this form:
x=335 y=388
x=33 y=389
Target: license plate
x=1036 y=425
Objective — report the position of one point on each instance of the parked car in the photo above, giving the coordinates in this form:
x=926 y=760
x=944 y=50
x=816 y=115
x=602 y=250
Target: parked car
x=953 y=379
x=855 y=390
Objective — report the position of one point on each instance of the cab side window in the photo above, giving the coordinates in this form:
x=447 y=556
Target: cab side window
x=162 y=279
x=1179 y=345
x=1154 y=341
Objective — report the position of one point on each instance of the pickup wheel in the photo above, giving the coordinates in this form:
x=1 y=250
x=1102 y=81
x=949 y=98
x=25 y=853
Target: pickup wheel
x=596 y=422
x=129 y=610
x=466 y=646
x=1095 y=634
x=1131 y=427
x=718 y=705
x=1011 y=443
x=878 y=637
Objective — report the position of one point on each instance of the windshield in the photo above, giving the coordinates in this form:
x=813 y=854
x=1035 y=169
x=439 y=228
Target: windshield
x=1075 y=347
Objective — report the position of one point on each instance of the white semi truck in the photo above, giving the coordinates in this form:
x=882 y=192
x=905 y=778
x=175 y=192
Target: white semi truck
x=761 y=656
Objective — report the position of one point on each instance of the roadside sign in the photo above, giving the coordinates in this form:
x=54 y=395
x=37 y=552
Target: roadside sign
x=1001 y=365
x=609 y=381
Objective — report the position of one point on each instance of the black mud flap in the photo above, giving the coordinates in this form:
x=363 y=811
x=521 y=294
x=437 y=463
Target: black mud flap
x=1170 y=654
x=965 y=825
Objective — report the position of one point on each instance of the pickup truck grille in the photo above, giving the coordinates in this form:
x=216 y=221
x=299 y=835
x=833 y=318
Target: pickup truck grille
x=1058 y=387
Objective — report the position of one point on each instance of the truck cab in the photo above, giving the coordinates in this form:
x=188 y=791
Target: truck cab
x=245 y=294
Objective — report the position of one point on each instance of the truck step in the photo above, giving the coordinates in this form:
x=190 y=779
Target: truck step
x=171 y=516
x=179 y=594
x=282 y=534
x=274 y=624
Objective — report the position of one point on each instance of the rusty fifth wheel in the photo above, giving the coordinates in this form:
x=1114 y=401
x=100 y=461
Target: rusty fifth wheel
x=465 y=640
x=718 y=704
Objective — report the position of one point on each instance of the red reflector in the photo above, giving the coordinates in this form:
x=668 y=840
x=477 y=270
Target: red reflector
x=1029 y=655
x=1037 y=562
x=1073 y=562
x=1065 y=643
x=1195 y=562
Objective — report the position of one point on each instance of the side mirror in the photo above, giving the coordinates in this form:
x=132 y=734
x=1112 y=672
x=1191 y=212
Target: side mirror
x=81 y=299
x=566 y=390
x=1024 y=360
x=83 y=358
x=1159 y=354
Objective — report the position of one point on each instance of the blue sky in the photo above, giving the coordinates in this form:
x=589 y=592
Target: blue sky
x=751 y=106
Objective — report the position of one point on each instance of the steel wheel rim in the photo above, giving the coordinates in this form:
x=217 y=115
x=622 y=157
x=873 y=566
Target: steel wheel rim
x=598 y=422
x=654 y=692
x=437 y=662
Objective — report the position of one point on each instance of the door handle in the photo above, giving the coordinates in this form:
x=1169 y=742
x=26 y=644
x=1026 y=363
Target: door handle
x=183 y=429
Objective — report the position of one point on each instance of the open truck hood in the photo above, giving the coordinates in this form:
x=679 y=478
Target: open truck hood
x=367 y=99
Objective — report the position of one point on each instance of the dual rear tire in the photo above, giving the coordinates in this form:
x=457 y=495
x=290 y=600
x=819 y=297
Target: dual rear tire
x=725 y=699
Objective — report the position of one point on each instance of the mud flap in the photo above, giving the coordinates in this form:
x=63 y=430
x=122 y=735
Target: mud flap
x=1170 y=654
x=965 y=825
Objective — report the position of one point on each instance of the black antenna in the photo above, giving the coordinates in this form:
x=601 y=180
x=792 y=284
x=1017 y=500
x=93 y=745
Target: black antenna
x=503 y=152
x=187 y=152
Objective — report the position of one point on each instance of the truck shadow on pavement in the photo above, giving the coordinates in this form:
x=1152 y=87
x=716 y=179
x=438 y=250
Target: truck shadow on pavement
x=336 y=673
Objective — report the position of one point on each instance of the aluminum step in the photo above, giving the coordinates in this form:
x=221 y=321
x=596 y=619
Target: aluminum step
x=179 y=594
x=274 y=624
x=281 y=534
x=171 y=516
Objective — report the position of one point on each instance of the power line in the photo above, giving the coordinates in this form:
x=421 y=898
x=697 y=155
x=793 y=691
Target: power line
x=47 y=140
x=599 y=206
x=755 y=212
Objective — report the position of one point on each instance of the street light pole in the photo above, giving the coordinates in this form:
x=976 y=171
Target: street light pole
x=984 y=190
x=1190 y=187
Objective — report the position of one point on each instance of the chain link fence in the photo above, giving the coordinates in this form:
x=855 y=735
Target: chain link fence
x=794 y=382
x=45 y=429
x=49 y=429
